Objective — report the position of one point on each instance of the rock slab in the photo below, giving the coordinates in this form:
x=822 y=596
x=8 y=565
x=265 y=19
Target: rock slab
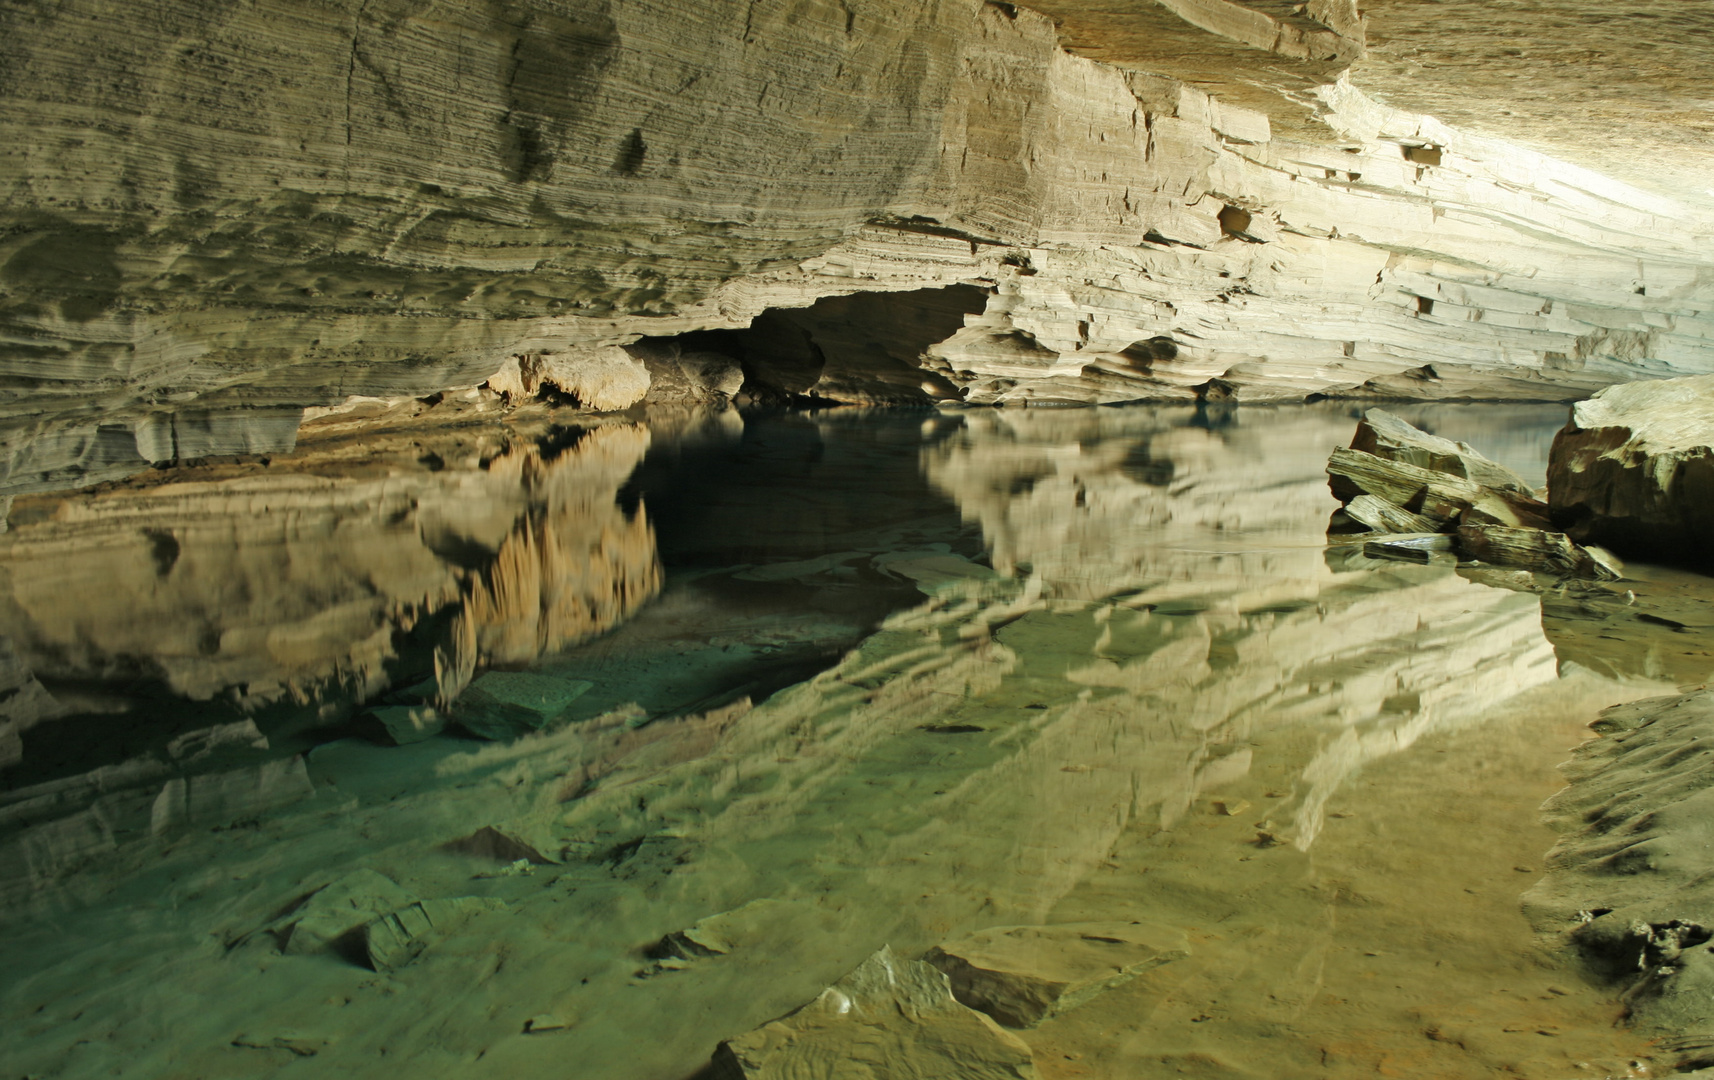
x=1634 y=470
x=888 y=1018
x=1419 y=495
x=1022 y=975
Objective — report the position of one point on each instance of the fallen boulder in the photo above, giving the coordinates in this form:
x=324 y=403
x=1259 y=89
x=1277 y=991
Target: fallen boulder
x=1022 y=975
x=889 y=1017
x=1634 y=470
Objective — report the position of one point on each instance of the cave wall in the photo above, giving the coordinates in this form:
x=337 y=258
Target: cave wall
x=286 y=203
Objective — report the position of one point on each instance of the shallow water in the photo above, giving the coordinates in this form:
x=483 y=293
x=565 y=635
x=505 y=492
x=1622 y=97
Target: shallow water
x=854 y=680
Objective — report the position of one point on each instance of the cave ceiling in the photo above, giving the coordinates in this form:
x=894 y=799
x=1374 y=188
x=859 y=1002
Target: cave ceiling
x=1624 y=88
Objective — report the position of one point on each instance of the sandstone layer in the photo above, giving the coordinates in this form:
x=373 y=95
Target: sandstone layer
x=1634 y=468
x=279 y=205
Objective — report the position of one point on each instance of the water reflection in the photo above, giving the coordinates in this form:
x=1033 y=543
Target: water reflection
x=1158 y=697
x=326 y=579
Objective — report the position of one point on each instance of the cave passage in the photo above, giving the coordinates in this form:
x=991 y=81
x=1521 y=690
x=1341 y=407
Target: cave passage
x=616 y=742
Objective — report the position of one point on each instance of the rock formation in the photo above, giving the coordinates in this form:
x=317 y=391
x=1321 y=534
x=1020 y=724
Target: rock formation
x=1634 y=469
x=889 y=1017
x=1628 y=886
x=1415 y=492
x=235 y=213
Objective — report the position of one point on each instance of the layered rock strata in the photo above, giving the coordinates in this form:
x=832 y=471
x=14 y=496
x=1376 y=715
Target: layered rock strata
x=1415 y=493
x=275 y=205
x=287 y=581
x=1634 y=468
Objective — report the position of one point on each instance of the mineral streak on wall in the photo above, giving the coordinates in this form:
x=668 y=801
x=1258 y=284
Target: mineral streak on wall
x=284 y=204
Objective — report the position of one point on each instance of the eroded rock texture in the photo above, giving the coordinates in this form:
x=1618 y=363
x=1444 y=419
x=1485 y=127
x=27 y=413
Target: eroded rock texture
x=1634 y=468
x=284 y=204
x=1628 y=884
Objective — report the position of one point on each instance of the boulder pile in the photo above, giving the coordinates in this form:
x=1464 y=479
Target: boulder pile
x=1415 y=496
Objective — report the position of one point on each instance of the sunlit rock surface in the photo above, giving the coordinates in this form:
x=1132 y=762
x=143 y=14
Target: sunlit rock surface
x=281 y=205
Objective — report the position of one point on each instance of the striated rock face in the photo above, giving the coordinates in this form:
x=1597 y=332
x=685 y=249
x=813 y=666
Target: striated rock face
x=1634 y=468
x=285 y=204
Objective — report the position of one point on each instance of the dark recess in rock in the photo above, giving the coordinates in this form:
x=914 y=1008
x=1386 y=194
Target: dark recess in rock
x=862 y=348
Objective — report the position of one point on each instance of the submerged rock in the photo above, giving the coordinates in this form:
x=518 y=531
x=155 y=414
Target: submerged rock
x=889 y=1017
x=400 y=936
x=1634 y=469
x=490 y=843
x=1631 y=884
x=407 y=724
x=1022 y=975
x=339 y=908
x=504 y=704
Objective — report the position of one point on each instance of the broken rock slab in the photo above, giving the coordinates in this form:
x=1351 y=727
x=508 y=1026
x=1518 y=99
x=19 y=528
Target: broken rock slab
x=1634 y=470
x=1434 y=496
x=1420 y=547
x=506 y=704
x=888 y=1018
x=1536 y=549
x=1022 y=975
x=1386 y=436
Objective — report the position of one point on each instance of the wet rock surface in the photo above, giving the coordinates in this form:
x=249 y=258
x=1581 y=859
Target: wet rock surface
x=1022 y=975
x=1145 y=693
x=1634 y=469
x=889 y=1017
x=1628 y=886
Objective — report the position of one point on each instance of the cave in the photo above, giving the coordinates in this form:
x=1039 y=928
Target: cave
x=746 y=540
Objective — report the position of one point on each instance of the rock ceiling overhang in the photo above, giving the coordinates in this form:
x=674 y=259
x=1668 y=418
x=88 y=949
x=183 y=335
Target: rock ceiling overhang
x=1624 y=88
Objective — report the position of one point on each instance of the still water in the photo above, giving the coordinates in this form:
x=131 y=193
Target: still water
x=820 y=683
